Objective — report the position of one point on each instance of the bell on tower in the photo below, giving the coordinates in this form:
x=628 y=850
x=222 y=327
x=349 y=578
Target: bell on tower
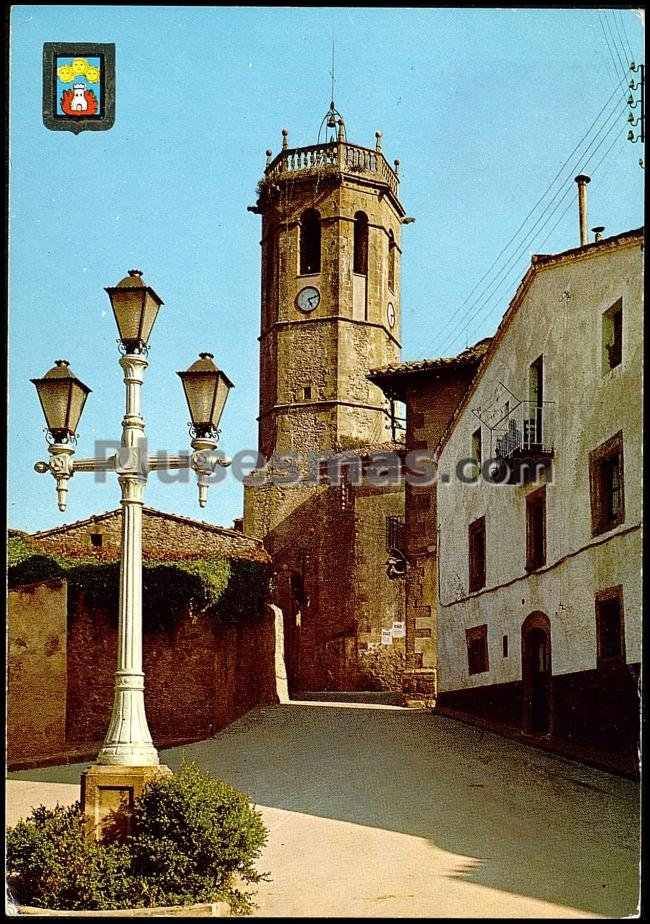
x=334 y=126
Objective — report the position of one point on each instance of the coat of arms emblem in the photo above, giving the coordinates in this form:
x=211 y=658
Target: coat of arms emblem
x=78 y=86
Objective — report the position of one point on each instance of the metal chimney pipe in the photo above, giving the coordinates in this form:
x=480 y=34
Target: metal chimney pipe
x=598 y=232
x=582 y=179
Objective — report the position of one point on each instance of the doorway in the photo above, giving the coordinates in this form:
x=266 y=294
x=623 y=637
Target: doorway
x=536 y=675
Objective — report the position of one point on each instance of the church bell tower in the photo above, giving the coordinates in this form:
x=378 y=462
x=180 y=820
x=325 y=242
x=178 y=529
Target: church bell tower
x=331 y=220
x=330 y=292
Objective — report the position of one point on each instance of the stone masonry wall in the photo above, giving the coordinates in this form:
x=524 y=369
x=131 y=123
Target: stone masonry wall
x=430 y=403
x=36 y=670
x=198 y=676
x=163 y=536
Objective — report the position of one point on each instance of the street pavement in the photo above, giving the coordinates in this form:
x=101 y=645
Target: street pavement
x=379 y=811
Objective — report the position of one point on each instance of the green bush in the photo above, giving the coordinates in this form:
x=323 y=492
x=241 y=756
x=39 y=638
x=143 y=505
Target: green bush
x=192 y=838
x=51 y=864
x=225 y=590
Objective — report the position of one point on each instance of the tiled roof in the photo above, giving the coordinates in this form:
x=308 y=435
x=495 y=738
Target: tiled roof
x=605 y=243
x=468 y=357
x=231 y=539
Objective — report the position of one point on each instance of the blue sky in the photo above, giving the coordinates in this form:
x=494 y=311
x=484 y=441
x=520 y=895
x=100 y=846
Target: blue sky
x=482 y=107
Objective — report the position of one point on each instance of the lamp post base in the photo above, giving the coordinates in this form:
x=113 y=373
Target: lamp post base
x=108 y=794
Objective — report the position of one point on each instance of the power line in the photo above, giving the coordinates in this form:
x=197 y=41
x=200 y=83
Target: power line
x=570 y=205
x=541 y=198
x=610 y=58
x=484 y=300
x=624 y=29
x=606 y=21
x=620 y=40
x=567 y=186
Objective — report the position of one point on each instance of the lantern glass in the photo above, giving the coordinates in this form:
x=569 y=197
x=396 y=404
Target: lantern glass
x=62 y=396
x=135 y=306
x=206 y=390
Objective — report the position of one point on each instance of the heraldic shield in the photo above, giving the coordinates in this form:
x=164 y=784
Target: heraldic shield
x=78 y=86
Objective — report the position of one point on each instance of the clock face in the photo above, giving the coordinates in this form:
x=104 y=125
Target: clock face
x=390 y=315
x=308 y=298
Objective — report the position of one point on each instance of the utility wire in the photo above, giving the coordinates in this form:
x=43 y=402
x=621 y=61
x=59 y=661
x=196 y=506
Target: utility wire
x=604 y=20
x=570 y=205
x=529 y=234
x=624 y=30
x=539 y=201
x=620 y=40
x=484 y=300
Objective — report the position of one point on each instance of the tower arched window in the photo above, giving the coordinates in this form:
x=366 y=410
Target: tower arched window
x=360 y=260
x=392 y=248
x=310 y=243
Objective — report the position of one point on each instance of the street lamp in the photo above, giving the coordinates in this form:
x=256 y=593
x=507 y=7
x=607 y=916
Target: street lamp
x=62 y=396
x=128 y=741
x=206 y=390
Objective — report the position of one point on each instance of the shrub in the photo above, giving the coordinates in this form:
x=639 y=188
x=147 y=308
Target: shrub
x=191 y=834
x=51 y=864
x=192 y=838
x=384 y=667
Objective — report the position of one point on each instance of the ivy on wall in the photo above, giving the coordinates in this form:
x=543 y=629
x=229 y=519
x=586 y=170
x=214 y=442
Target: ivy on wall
x=228 y=591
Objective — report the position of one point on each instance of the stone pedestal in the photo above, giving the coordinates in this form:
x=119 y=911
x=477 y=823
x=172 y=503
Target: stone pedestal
x=108 y=794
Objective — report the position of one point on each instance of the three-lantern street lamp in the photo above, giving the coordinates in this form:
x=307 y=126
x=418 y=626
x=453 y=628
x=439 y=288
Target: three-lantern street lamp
x=63 y=396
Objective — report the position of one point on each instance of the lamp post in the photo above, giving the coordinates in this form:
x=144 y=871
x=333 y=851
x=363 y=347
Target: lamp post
x=128 y=743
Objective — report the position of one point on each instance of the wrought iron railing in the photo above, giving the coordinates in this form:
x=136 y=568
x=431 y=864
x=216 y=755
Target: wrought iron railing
x=346 y=157
x=527 y=428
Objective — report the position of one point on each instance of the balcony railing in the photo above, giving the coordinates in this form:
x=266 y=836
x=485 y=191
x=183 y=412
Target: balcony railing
x=348 y=158
x=526 y=432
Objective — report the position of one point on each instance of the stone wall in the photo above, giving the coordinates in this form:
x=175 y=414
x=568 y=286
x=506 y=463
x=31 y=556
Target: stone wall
x=198 y=676
x=331 y=349
x=329 y=554
x=164 y=535
x=36 y=670
x=430 y=402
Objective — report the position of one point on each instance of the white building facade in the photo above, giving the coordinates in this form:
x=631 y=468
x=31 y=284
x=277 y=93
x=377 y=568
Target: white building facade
x=539 y=591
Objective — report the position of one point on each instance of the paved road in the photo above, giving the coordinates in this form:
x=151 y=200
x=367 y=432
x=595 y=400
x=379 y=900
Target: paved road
x=379 y=811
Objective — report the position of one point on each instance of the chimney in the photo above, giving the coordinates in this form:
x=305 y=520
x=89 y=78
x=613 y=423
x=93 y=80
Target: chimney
x=598 y=232
x=582 y=179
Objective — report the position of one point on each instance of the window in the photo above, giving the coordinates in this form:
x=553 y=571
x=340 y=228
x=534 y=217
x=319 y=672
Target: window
x=96 y=540
x=610 y=625
x=613 y=337
x=536 y=528
x=394 y=532
x=360 y=258
x=310 y=243
x=477 y=650
x=476 y=536
x=306 y=392
x=391 y=261
x=505 y=646
x=606 y=483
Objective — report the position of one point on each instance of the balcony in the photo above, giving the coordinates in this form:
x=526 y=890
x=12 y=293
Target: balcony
x=525 y=434
x=334 y=156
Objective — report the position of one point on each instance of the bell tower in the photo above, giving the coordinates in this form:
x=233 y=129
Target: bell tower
x=331 y=220
x=330 y=292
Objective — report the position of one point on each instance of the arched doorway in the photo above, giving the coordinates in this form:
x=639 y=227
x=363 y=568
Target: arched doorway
x=536 y=674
